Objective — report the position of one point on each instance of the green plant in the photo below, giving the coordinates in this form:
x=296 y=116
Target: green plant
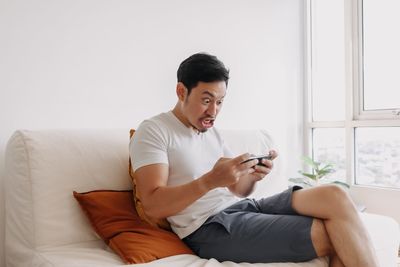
x=317 y=176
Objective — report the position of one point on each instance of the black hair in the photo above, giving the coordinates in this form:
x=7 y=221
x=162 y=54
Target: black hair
x=201 y=67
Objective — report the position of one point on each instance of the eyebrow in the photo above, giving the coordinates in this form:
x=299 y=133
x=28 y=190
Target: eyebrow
x=211 y=94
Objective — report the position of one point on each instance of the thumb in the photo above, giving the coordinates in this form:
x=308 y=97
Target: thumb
x=241 y=158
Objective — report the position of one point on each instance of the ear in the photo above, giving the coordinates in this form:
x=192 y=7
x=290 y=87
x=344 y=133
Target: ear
x=181 y=91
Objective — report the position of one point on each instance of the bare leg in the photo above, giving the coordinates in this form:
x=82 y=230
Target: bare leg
x=322 y=244
x=335 y=262
x=346 y=232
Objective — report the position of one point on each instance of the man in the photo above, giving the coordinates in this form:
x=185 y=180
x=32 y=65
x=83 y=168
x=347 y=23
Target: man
x=185 y=173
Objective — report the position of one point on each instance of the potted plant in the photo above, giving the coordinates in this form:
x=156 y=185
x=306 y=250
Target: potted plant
x=317 y=176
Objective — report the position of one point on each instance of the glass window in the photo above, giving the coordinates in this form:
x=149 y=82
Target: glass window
x=354 y=45
x=378 y=156
x=381 y=54
x=327 y=60
x=328 y=147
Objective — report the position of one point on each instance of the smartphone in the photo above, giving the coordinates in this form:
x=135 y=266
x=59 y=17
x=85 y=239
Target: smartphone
x=259 y=157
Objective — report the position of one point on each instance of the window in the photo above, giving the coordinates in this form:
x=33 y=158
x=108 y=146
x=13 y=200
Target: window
x=353 y=88
x=377 y=156
x=380 y=55
x=328 y=146
x=327 y=61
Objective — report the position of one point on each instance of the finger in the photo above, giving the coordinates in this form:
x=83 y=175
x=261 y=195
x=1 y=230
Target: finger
x=268 y=163
x=262 y=169
x=241 y=158
x=242 y=161
x=258 y=175
x=247 y=171
x=273 y=153
x=249 y=164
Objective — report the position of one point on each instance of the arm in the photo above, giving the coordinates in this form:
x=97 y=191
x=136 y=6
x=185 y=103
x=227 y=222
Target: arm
x=160 y=200
x=246 y=184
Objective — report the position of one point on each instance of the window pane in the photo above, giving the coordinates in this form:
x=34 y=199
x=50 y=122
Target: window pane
x=328 y=60
x=328 y=147
x=378 y=156
x=381 y=54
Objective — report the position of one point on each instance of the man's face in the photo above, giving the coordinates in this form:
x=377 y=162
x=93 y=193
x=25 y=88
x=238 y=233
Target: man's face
x=202 y=106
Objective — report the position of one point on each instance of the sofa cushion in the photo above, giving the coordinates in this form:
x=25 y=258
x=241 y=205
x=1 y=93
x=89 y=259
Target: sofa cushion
x=113 y=216
x=44 y=167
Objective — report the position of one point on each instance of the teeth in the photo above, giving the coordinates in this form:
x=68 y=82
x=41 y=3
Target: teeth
x=208 y=122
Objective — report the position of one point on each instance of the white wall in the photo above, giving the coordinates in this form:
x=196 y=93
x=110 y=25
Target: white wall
x=98 y=63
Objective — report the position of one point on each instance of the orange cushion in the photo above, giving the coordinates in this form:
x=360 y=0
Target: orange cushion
x=162 y=223
x=114 y=218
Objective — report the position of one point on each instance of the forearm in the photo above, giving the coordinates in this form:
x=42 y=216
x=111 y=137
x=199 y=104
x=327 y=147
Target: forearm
x=160 y=200
x=244 y=187
x=165 y=201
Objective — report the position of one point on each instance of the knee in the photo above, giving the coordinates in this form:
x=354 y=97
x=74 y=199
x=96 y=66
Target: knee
x=339 y=200
x=320 y=239
x=336 y=194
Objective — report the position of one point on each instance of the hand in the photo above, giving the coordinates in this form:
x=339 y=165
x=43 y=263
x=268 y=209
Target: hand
x=227 y=171
x=261 y=171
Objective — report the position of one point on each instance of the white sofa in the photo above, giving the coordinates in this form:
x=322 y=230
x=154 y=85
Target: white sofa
x=46 y=227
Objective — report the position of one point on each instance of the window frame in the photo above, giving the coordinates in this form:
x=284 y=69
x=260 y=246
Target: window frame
x=355 y=115
x=376 y=199
x=355 y=12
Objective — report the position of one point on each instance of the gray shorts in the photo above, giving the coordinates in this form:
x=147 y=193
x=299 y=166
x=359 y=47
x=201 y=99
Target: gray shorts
x=265 y=230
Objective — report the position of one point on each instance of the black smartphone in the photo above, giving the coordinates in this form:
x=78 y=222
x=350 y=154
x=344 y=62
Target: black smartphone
x=259 y=157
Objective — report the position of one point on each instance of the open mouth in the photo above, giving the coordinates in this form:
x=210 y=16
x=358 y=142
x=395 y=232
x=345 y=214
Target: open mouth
x=207 y=122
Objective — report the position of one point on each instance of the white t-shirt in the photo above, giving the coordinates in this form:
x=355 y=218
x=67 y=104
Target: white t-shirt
x=189 y=155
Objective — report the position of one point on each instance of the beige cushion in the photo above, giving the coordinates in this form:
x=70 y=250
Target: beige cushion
x=44 y=167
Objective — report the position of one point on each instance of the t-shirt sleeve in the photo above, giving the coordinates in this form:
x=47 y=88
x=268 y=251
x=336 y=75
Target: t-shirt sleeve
x=148 y=146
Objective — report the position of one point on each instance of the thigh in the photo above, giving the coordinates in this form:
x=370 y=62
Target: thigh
x=280 y=203
x=255 y=237
x=322 y=202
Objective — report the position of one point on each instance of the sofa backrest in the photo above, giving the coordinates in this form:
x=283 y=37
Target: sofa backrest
x=43 y=168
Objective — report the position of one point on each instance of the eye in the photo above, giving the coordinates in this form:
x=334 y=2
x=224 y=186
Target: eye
x=206 y=101
x=219 y=102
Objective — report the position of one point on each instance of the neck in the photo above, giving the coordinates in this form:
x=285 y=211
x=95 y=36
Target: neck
x=179 y=115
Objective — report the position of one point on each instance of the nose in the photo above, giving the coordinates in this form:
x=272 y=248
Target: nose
x=212 y=109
